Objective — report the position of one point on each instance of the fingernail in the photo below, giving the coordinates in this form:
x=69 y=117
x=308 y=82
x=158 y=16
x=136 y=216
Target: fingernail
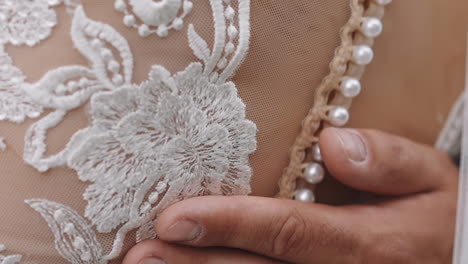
x=353 y=144
x=152 y=260
x=183 y=231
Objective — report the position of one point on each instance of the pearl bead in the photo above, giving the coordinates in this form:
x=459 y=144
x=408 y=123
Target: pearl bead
x=178 y=23
x=222 y=63
x=371 y=27
x=229 y=48
x=314 y=173
x=350 y=87
x=383 y=2
x=143 y=30
x=129 y=20
x=338 y=116
x=162 y=31
x=188 y=6
x=232 y=32
x=304 y=195
x=96 y=43
x=106 y=54
x=113 y=66
x=117 y=79
x=362 y=55
x=316 y=153
x=119 y=5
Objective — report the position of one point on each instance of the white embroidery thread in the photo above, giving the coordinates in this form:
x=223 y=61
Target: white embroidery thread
x=69 y=87
x=74 y=238
x=173 y=137
x=12 y=259
x=22 y=22
x=157 y=17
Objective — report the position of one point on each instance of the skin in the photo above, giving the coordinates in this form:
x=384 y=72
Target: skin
x=406 y=216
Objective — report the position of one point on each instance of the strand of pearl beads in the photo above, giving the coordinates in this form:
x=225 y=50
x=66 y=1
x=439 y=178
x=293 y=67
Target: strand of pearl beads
x=338 y=116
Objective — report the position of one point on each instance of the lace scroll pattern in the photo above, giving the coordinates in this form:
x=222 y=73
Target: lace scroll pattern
x=148 y=145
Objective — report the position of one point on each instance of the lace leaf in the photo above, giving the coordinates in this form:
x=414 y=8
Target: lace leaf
x=64 y=88
x=198 y=45
x=96 y=41
x=74 y=239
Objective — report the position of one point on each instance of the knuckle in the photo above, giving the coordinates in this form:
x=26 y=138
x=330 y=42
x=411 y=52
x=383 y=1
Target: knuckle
x=329 y=235
x=389 y=251
x=289 y=234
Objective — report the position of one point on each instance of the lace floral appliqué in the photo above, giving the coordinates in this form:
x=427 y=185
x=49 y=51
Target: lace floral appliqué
x=149 y=145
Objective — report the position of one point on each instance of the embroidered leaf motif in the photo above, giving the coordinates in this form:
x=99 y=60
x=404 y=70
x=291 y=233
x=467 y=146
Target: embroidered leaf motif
x=96 y=41
x=74 y=239
x=35 y=146
x=12 y=259
x=64 y=88
x=198 y=45
x=69 y=87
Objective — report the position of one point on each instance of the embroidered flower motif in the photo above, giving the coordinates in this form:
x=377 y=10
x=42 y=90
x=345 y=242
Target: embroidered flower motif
x=182 y=130
x=172 y=137
x=74 y=238
x=25 y=21
x=157 y=17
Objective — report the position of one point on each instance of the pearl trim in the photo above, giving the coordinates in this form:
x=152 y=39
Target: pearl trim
x=342 y=84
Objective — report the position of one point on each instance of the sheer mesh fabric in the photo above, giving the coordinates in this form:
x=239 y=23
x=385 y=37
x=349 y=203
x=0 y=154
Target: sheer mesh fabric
x=292 y=43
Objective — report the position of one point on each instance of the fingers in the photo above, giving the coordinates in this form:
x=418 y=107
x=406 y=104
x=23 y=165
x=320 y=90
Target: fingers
x=286 y=230
x=380 y=163
x=158 y=252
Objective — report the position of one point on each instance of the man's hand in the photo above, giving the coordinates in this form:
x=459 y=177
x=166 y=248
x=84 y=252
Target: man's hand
x=410 y=218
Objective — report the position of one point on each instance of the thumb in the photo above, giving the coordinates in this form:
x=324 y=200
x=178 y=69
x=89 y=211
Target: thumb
x=380 y=163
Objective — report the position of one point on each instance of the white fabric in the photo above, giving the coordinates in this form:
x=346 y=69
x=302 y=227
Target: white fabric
x=460 y=255
x=450 y=137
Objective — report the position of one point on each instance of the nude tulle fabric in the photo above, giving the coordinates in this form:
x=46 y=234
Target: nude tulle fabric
x=292 y=44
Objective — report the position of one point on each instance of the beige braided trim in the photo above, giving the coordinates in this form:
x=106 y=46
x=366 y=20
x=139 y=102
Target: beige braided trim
x=340 y=67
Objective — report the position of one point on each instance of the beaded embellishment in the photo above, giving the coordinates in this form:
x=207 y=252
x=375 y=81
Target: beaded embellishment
x=342 y=84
